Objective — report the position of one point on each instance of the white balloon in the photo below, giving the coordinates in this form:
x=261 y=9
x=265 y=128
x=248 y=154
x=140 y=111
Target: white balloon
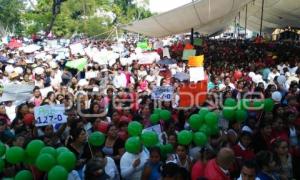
x=276 y=96
x=9 y=69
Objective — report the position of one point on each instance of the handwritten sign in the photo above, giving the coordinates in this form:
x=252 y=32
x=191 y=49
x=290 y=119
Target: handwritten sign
x=162 y=92
x=155 y=128
x=46 y=115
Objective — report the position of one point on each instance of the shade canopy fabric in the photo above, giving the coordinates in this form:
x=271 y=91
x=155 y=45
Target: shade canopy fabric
x=211 y=16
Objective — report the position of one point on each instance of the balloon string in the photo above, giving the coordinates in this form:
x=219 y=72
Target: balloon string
x=90 y=149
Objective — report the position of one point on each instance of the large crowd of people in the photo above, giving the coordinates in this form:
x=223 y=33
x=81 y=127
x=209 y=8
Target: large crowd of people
x=106 y=98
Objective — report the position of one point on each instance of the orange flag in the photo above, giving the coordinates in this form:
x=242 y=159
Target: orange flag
x=196 y=61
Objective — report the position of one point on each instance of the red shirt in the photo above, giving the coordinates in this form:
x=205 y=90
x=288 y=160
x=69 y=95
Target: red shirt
x=198 y=170
x=245 y=154
x=213 y=171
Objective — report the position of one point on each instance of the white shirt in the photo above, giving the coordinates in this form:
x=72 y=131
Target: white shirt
x=128 y=172
x=120 y=81
x=111 y=169
x=11 y=112
x=272 y=75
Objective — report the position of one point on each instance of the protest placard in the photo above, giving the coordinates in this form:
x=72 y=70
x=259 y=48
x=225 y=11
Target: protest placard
x=156 y=128
x=163 y=93
x=187 y=53
x=77 y=49
x=49 y=115
x=193 y=94
x=196 y=74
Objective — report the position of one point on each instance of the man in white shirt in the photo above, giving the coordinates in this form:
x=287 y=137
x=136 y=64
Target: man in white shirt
x=132 y=164
x=226 y=83
x=120 y=80
x=248 y=171
x=272 y=75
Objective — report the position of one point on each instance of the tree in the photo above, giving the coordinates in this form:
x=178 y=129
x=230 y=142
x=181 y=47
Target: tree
x=10 y=11
x=79 y=16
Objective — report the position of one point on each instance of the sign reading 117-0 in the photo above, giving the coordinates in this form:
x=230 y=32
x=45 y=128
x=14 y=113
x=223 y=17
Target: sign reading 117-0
x=47 y=115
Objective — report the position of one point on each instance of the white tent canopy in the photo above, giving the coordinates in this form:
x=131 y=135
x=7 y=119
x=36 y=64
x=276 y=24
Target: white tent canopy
x=210 y=16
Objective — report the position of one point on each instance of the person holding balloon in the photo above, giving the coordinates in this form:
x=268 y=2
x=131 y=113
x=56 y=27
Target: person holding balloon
x=134 y=159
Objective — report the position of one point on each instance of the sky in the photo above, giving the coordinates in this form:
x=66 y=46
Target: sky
x=160 y=6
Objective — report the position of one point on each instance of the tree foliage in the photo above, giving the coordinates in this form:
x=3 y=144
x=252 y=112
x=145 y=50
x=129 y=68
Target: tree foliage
x=79 y=16
x=10 y=11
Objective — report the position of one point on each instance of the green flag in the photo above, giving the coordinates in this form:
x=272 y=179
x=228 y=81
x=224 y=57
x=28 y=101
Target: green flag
x=198 y=42
x=142 y=45
x=78 y=64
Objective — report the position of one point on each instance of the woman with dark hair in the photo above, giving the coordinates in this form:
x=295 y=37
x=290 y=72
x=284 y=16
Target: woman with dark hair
x=77 y=144
x=50 y=98
x=267 y=165
x=95 y=170
x=18 y=124
x=113 y=146
x=263 y=137
x=283 y=159
x=152 y=167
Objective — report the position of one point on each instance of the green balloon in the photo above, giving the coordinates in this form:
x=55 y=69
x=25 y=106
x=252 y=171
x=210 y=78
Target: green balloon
x=185 y=137
x=24 y=175
x=241 y=115
x=67 y=160
x=200 y=138
x=2 y=165
x=45 y=162
x=258 y=105
x=205 y=129
x=157 y=111
x=230 y=102
x=28 y=160
x=2 y=149
x=49 y=150
x=165 y=115
x=166 y=149
x=214 y=130
x=61 y=149
x=135 y=128
x=58 y=173
x=240 y=104
x=96 y=139
x=211 y=119
x=34 y=147
x=14 y=155
x=133 y=145
x=228 y=114
x=154 y=118
x=149 y=139
x=202 y=112
x=268 y=105
x=195 y=121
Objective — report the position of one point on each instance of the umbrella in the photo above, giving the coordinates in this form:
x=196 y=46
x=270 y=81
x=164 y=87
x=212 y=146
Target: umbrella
x=167 y=61
x=3 y=59
x=181 y=76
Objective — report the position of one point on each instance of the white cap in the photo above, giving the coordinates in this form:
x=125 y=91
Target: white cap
x=247 y=129
x=276 y=96
x=281 y=79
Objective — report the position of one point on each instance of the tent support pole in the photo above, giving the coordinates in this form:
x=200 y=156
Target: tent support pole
x=246 y=18
x=262 y=16
x=192 y=36
x=234 y=35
